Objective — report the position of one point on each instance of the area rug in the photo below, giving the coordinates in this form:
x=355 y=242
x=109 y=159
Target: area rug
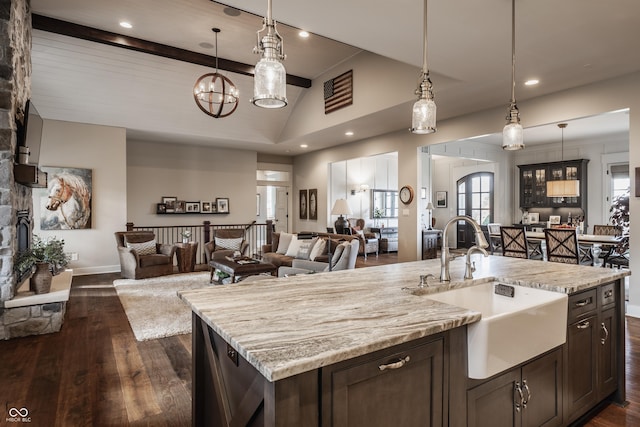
x=153 y=307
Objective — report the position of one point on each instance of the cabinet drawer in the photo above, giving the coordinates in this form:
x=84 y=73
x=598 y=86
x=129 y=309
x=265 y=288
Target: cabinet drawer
x=582 y=303
x=607 y=294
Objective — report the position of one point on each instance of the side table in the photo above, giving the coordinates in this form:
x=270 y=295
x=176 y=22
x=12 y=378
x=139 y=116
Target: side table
x=186 y=255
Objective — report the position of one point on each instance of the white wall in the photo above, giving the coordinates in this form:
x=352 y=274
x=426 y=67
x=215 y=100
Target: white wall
x=103 y=150
x=190 y=173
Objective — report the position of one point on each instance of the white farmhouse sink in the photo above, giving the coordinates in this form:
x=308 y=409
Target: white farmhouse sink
x=512 y=329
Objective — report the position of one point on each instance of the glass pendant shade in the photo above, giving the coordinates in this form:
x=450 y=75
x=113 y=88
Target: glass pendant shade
x=424 y=116
x=513 y=135
x=270 y=84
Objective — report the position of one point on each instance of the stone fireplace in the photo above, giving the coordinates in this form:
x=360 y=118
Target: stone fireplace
x=15 y=84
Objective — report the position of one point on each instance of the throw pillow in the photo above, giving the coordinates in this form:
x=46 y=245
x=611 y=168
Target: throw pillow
x=305 y=248
x=228 y=243
x=341 y=263
x=283 y=244
x=338 y=253
x=294 y=245
x=318 y=249
x=144 y=248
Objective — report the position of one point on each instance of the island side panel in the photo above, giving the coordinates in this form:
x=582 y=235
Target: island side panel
x=227 y=390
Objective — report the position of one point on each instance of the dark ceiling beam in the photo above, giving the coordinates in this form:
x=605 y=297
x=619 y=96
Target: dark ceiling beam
x=65 y=28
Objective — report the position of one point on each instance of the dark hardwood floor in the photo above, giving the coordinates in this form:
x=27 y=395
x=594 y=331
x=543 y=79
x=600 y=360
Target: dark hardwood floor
x=94 y=372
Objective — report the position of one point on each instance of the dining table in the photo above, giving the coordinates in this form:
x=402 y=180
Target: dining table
x=585 y=241
x=582 y=238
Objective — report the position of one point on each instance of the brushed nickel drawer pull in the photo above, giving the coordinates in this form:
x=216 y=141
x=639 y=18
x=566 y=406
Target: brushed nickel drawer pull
x=519 y=402
x=606 y=334
x=395 y=365
x=583 y=325
x=583 y=302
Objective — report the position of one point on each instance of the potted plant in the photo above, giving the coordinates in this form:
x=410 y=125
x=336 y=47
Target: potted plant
x=48 y=258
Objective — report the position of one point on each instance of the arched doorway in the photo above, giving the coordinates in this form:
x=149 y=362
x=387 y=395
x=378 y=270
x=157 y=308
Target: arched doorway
x=474 y=199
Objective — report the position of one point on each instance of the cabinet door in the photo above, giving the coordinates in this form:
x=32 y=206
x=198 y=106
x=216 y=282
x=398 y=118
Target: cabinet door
x=402 y=389
x=533 y=186
x=494 y=403
x=607 y=368
x=542 y=390
x=580 y=366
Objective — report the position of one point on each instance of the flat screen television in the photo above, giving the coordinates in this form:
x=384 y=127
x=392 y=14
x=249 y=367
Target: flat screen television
x=29 y=133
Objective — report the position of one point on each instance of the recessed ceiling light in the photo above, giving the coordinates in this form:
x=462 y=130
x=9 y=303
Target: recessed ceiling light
x=531 y=82
x=303 y=34
x=303 y=145
x=125 y=24
x=349 y=133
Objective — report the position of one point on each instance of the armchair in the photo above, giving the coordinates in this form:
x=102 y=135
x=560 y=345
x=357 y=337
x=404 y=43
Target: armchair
x=343 y=259
x=225 y=242
x=141 y=256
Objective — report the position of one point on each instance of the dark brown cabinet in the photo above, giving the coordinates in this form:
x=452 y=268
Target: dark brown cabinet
x=430 y=243
x=533 y=184
x=591 y=355
x=403 y=388
x=530 y=395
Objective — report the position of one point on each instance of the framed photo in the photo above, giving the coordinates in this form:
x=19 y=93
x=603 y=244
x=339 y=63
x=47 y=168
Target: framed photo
x=161 y=208
x=192 y=207
x=181 y=206
x=441 y=199
x=554 y=219
x=313 y=204
x=170 y=203
x=222 y=204
x=205 y=207
x=303 y=204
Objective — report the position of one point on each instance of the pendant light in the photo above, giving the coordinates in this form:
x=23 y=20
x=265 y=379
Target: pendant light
x=270 y=77
x=512 y=134
x=424 y=110
x=214 y=93
x=563 y=187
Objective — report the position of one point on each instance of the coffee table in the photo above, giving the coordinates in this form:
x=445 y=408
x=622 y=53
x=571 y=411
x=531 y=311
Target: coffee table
x=238 y=268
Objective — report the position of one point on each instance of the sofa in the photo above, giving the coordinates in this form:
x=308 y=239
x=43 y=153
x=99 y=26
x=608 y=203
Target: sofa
x=344 y=258
x=283 y=254
x=141 y=256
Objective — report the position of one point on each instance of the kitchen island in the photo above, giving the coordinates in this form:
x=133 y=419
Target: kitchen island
x=292 y=351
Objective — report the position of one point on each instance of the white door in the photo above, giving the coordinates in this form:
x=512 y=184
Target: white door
x=281 y=212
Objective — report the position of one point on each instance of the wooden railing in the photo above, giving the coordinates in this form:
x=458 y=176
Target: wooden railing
x=255 y=234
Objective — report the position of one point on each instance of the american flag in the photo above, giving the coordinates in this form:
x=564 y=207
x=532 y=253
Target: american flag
x=338 y=92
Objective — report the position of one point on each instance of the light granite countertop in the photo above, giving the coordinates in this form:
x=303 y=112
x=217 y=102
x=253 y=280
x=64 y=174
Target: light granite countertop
x=291 y=325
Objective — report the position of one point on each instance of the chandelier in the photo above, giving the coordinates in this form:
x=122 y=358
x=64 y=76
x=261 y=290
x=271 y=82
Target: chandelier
x=424 y=110
x=214 y=93
x=270 y=77
x=564 y=187
x=513 y=134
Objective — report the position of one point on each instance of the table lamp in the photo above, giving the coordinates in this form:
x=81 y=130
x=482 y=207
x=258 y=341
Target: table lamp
x=341 y=207
x=430 y=208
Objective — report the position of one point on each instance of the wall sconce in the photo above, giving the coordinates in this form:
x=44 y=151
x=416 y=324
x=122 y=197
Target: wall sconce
x=362 y=189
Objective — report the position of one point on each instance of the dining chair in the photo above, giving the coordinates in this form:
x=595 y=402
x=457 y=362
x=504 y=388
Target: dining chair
x=586 y=253
x=495 y=241
x=514 y=242
x=562 y=245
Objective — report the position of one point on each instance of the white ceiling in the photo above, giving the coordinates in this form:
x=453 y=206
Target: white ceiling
x=563 y=44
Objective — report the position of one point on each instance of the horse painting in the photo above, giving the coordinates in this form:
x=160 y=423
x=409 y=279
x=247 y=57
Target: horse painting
x=69 y=200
